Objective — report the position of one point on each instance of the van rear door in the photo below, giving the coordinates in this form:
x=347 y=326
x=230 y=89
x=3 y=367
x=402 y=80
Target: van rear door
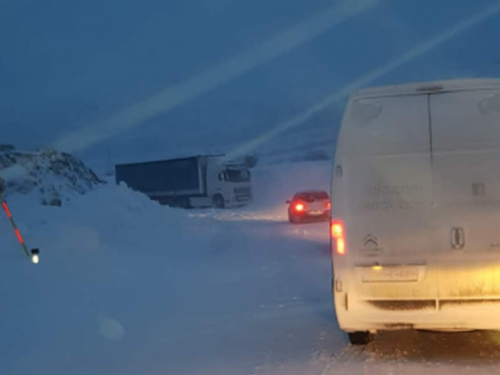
x=382 y=190
x=384 y=193
x=466 y=213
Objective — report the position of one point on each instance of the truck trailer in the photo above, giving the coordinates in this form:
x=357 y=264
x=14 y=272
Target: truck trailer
x=198 y=181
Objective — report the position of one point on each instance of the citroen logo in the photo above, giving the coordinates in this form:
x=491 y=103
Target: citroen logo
x=370 y=239
x=457 y=238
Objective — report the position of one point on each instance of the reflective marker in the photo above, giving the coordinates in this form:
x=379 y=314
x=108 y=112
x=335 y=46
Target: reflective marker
x=6 y=208
x=19 y=237
x=14 y=226
x=35 y=256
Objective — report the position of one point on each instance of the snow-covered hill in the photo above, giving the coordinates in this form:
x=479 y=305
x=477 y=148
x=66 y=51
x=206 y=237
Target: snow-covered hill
x=49 y=175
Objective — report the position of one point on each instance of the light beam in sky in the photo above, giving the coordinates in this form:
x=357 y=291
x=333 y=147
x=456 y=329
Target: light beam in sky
x=215 y=76
x=369 y=77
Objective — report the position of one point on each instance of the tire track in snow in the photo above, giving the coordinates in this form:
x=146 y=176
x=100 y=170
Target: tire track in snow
x=417 y=352
x=350 y=353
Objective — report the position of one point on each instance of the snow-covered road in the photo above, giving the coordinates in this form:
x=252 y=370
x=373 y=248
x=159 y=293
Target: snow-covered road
x=128 y=287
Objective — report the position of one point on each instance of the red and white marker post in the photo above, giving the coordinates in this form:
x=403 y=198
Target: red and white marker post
x=34 y=254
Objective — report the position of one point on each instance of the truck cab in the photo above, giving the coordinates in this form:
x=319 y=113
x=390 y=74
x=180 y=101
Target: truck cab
x=229 y=184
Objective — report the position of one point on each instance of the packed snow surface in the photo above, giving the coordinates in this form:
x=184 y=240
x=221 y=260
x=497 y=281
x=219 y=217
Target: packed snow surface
x=128 y=287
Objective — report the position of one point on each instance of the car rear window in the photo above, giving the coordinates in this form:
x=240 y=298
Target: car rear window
x=309 y=197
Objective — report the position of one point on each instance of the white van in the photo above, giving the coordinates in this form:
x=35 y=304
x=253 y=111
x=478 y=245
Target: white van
x=416 y=209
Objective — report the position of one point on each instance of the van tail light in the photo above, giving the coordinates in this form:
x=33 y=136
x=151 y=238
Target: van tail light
x=338 y=236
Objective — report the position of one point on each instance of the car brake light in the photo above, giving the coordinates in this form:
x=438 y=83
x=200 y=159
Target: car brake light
x=299 y=207
x=328 y=205
x=338 y=236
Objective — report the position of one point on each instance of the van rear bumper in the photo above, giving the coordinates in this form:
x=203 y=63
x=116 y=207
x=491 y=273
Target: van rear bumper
x=430 y=314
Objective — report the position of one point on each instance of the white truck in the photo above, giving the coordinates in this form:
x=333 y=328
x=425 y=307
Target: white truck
x=198 y=181
x=416 y=209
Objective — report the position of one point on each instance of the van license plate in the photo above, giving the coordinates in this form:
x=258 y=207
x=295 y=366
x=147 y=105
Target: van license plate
x=389 y=274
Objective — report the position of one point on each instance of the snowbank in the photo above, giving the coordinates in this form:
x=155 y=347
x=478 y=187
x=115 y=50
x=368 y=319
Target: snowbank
x=104 y=255
x=109 y=217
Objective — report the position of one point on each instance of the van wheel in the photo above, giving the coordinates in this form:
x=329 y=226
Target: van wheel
x=360 y=338
x=218 y=201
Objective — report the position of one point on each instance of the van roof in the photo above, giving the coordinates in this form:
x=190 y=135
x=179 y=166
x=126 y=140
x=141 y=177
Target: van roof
x=429 y=87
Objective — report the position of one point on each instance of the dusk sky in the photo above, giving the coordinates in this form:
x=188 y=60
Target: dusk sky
x=127 y=79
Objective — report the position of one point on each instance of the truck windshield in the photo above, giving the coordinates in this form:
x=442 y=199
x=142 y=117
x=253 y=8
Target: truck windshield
x=238 y=175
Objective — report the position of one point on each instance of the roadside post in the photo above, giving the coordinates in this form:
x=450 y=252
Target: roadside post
x=34 y=254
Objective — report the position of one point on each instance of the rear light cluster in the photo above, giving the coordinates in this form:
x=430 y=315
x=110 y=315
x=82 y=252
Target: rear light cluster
x=338 y=235
x=299 y=207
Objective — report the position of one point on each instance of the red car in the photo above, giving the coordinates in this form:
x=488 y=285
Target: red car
x=309 y=206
